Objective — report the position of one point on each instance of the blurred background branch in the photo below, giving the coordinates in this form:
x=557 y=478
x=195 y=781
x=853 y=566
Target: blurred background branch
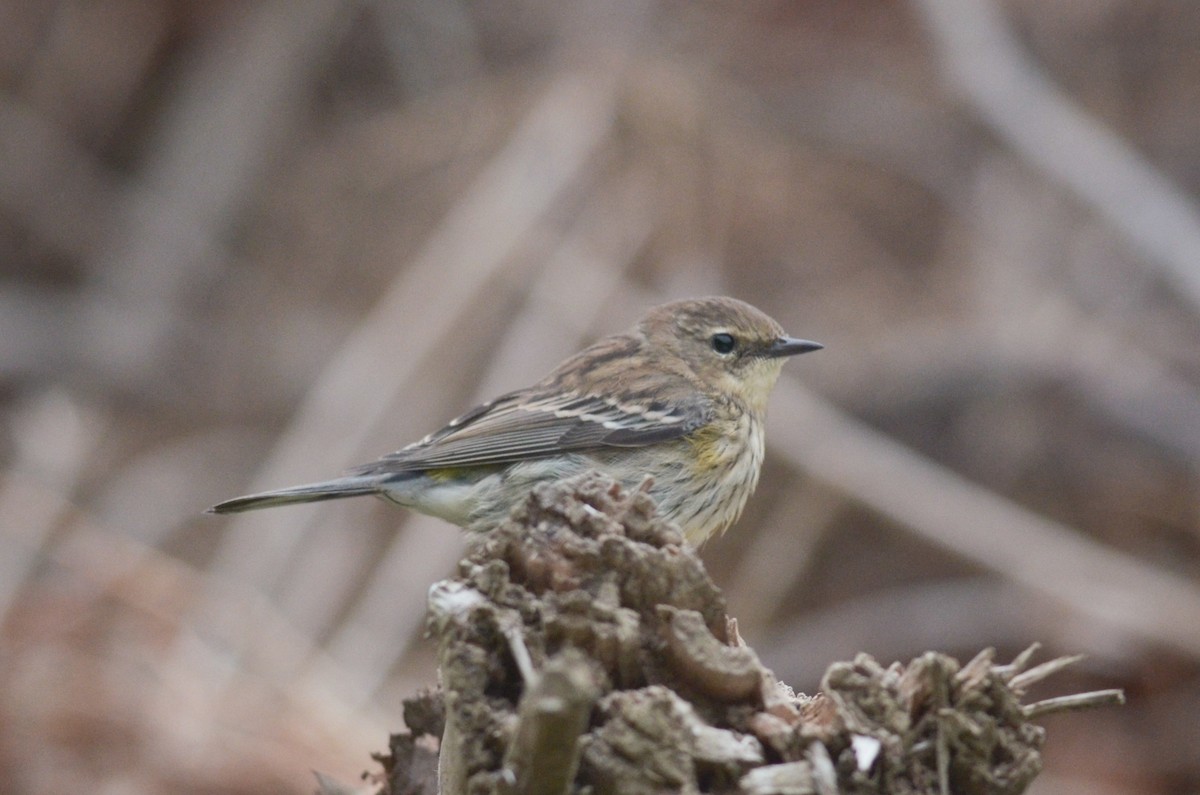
x=249 y=244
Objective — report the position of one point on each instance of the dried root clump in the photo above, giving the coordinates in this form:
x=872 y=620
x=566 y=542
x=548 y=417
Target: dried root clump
x=583 y=648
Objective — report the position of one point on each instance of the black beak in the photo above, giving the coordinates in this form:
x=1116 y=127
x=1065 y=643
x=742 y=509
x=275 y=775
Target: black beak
x=789 y=346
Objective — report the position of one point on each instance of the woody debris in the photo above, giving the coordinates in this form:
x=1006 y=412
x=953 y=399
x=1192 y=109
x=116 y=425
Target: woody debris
x=583 y=648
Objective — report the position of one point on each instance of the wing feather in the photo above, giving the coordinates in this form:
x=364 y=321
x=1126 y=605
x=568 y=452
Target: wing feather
x=516 y=427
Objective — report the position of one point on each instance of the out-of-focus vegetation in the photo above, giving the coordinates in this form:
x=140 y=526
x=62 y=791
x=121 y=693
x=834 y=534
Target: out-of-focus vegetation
x=248 y=244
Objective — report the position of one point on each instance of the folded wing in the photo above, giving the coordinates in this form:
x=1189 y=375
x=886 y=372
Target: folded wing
x=519 y=426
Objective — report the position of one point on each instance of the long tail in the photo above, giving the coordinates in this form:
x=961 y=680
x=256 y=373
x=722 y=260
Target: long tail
x=310 y=492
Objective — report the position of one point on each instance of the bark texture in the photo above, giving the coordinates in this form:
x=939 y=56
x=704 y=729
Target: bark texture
x=583 y=648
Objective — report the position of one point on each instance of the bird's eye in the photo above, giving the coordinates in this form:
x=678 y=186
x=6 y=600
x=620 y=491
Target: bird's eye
x=723 y=343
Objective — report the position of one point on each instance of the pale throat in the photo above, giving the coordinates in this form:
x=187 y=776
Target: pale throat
x=755 y=385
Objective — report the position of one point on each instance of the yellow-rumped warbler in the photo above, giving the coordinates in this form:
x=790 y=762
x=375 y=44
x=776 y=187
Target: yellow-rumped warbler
x=680 y=397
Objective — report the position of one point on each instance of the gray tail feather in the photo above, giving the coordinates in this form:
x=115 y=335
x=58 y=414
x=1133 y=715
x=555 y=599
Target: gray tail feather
x=309 y=492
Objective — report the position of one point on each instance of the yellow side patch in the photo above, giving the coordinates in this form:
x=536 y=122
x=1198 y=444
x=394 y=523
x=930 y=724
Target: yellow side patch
x=707 y=448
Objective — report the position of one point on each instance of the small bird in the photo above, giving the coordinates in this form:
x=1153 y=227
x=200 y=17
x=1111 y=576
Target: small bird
x=680 y=397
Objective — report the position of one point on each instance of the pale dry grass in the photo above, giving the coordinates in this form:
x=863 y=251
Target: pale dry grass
x=250 y=244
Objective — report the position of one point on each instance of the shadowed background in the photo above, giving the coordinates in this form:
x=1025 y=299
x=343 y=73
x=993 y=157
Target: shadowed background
x=249 y=244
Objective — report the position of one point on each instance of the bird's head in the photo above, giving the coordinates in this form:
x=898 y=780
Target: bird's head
x=733 y=348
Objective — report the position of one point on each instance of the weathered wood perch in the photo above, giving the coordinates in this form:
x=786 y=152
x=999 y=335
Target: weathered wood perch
x=583 y=647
